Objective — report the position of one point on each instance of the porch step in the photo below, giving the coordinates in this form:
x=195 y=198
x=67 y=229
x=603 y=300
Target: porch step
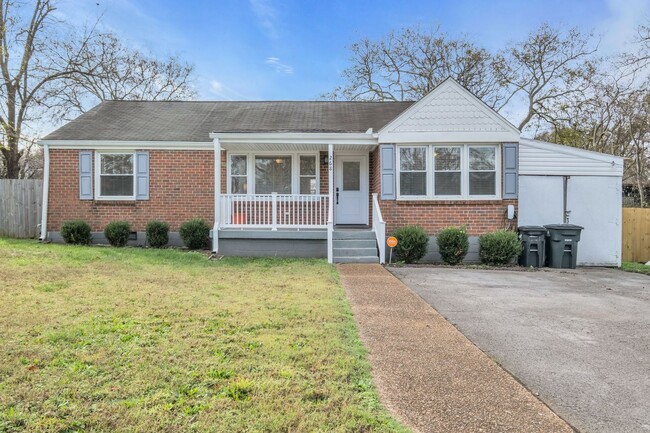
x=353 y=234
x=355 y=252
x=354 y=243
x=354 y=246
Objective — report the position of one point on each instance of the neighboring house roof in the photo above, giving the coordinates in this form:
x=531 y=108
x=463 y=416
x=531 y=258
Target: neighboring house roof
x=193 y=121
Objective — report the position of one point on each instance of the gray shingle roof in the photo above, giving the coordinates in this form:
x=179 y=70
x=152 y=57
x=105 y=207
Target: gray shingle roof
x=194 y=121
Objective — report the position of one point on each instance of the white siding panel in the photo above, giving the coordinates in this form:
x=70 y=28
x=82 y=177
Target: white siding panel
x=449 y=113
x=541 y=200
x=595 y=204
x=540 y=158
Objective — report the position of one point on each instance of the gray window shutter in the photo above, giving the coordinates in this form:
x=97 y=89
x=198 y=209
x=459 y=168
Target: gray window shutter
x=387 y=169
x=86 y=175
x=142 y=175
x=510 y=170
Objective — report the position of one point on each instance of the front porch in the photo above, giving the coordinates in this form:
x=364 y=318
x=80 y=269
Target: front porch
x=282 y=194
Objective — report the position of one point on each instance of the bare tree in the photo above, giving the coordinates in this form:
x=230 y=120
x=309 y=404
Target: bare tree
x=548 y=69
x=29 y=67
x=408 y=64
x=112 y=71
x=48 y=71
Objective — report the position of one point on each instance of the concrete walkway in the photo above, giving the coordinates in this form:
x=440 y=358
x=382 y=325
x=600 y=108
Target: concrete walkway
x=428 y=374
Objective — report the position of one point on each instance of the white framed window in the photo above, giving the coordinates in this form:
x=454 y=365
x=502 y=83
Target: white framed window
x=115 y=175
x=482 y=170
x=238 y=174
x=272 y=174
x=267 y=172
x=308 y=174
x=446 y=172
x=413 y=171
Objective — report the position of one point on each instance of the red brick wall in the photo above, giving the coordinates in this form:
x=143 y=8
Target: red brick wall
x=181 y=187
x=480 y=216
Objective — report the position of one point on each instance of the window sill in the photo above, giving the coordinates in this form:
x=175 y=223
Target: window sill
x=447 y=202
x=114 y=202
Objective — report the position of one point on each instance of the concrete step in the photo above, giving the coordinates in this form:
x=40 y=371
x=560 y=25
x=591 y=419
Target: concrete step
x=354 y=252
x=361 y=259
x=353 y=234
x=354 y=243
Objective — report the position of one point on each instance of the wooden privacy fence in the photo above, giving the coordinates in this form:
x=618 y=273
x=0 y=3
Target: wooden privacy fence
x=636 y=234
x=20 y=207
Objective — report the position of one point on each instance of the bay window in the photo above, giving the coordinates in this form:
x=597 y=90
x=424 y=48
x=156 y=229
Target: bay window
x=273 y=173
x=115 y=176
x=448 y=171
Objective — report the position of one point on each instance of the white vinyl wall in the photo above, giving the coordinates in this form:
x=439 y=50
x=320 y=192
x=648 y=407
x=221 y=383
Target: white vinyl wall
x=593 y=196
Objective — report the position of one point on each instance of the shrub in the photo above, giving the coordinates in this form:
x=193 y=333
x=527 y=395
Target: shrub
x=195 y=233
x=453 y=244
x=499 y=248
x=117 y=233
x=412 y=243
x=157 y=233
x=76 y=232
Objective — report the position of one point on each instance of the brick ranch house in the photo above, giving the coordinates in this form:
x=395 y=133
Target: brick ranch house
x=316 y=179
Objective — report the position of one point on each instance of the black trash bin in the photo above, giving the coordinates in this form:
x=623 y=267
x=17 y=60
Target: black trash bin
x=533 y=239
x=562 y=245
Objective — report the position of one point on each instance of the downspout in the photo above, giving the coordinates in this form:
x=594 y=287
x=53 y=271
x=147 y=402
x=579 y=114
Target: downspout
x=46 y=187
x=217 y=194
x=566 y=212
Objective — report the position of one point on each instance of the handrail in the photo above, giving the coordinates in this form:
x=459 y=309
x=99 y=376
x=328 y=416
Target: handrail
x=379 y=227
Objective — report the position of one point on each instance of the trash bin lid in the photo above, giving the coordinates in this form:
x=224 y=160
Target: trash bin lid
x=563 y=227
x=531 y=228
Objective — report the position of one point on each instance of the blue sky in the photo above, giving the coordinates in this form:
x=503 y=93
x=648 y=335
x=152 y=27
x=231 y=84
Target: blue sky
x=292 y=49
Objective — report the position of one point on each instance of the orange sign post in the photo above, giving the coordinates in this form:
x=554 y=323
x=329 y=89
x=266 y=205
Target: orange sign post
x=392 y=243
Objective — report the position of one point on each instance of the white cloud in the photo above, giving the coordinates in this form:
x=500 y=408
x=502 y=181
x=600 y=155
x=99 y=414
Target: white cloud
x=216 y=87
x=267 y=16
x=619 y=30
x=278 y=66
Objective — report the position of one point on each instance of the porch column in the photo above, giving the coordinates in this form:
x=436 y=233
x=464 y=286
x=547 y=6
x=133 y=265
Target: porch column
x=217 y=194
x=330 y=210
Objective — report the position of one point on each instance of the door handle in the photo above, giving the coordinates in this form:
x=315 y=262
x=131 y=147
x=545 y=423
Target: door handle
x=337 y=195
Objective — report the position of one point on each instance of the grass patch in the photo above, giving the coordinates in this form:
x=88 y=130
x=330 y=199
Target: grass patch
x=639 y=268
x=103 y=339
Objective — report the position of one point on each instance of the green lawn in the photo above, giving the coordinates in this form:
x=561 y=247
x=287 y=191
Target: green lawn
x=104 y=339
x=640 y=268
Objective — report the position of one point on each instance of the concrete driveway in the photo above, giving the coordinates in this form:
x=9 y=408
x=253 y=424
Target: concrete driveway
x=580 y=339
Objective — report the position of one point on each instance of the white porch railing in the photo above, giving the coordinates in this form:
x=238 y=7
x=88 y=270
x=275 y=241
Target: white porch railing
x=379 y=227
x=273 y=211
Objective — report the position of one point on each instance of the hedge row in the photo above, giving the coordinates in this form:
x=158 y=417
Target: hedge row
x=497 y=248
x=195 y=233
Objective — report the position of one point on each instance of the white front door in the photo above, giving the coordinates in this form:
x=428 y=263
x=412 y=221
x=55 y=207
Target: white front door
x=351 y=189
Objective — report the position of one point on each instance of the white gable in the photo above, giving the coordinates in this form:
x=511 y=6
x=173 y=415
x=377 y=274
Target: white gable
x=542 y=158
x=449 y=113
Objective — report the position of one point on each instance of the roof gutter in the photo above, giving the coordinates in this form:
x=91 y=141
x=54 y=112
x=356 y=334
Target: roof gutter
x=367 y=137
